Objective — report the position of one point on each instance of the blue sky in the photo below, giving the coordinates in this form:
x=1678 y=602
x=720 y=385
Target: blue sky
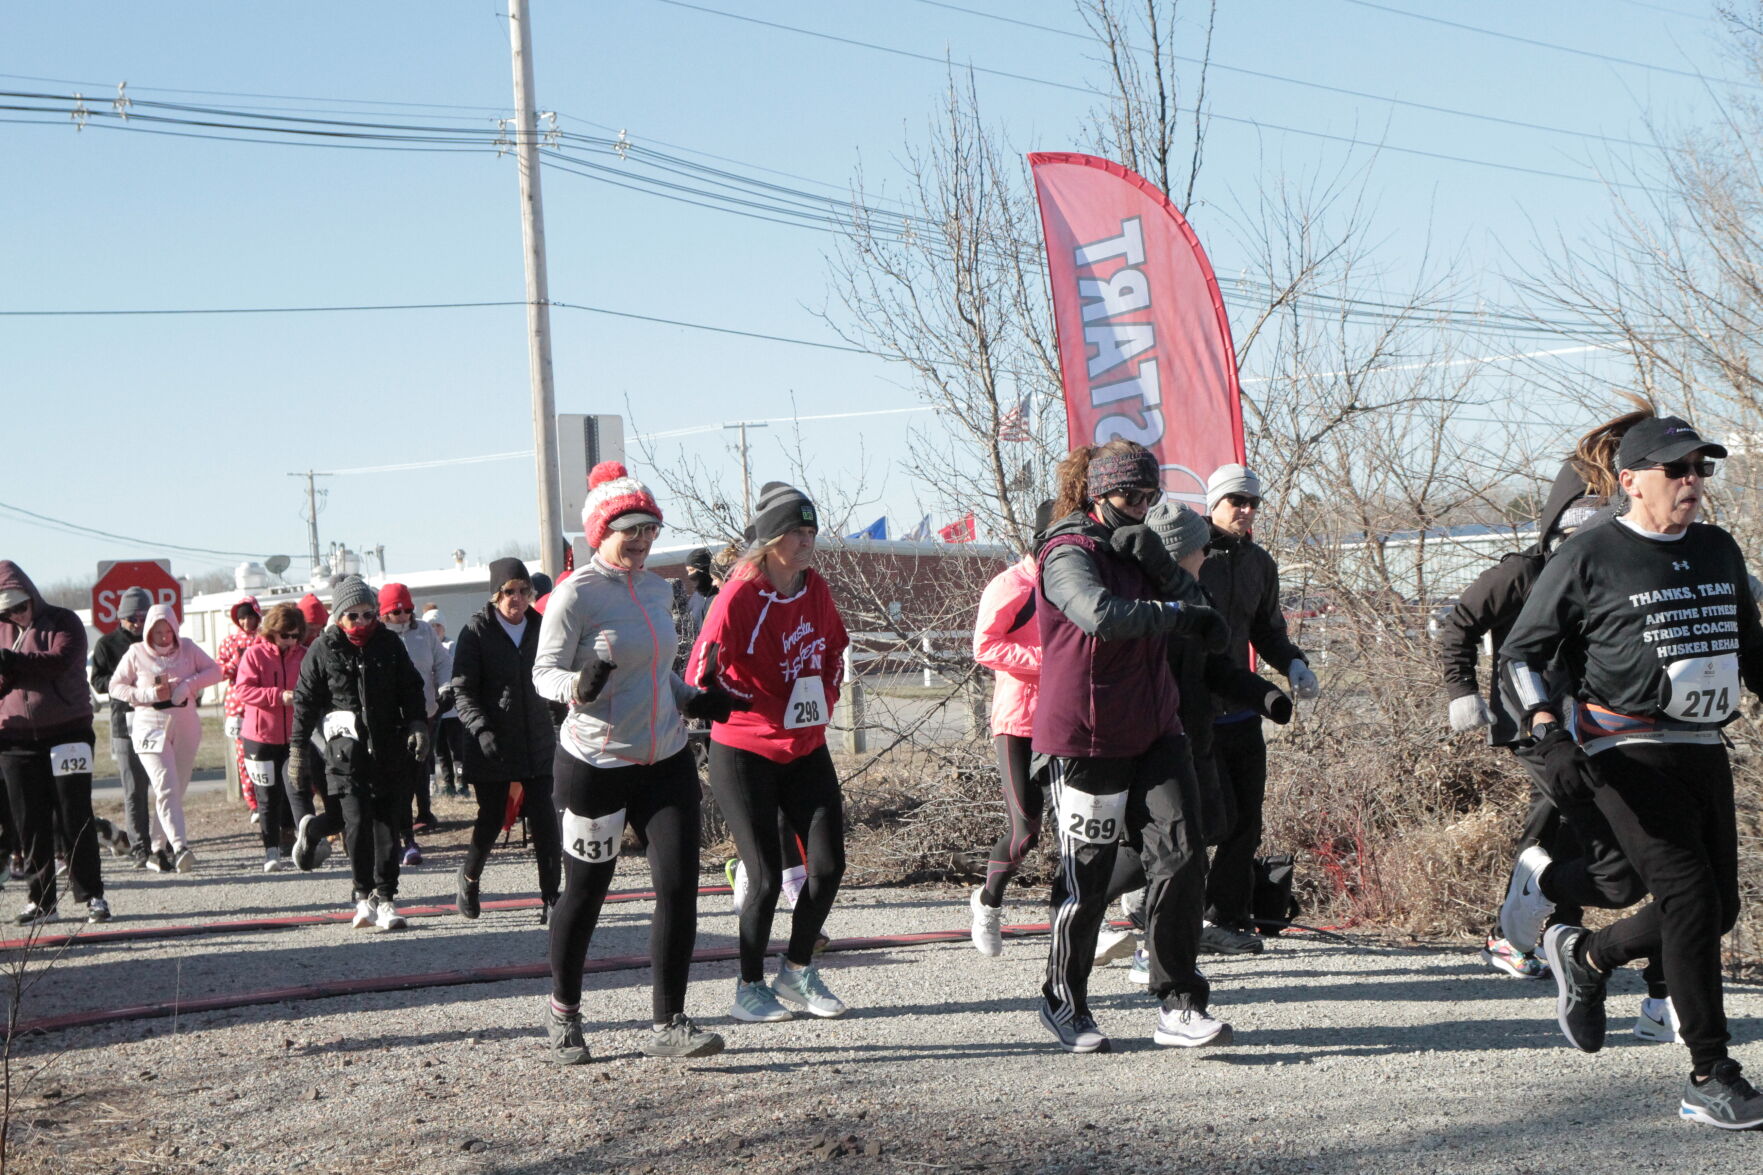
x=181 y=429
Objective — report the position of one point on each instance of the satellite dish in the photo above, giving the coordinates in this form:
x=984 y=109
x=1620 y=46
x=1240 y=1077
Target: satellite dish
x=276 y=564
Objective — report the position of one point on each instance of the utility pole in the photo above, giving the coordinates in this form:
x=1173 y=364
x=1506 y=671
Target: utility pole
x=538 y=297
x=311 y=513
x=746 y=477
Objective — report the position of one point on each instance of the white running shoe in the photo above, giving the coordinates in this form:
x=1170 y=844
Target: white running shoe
x=1114 y=944
x=1525 y=909
x=795 y=877
x=1658 y=1021
x=1188 y=1027
x=1077 y=1031
x=988 y=925
x=365 y=913
x=386 y=916
x=184 y=860
x=737 y=883
x=1140 y=972
x=805 y=987
x=756 y=1003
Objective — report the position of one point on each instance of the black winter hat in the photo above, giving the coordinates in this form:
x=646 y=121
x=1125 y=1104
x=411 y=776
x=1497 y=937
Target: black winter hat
x=699 y=559
x=503 y=570
x=781 y=508
x=351 y=592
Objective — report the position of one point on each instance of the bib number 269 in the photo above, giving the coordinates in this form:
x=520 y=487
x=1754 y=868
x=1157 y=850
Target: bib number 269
x=1090 y=818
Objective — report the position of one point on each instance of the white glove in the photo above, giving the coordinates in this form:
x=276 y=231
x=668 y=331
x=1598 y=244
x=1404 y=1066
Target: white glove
x=1303 y=681
x=234 y=725
x=1469 y=712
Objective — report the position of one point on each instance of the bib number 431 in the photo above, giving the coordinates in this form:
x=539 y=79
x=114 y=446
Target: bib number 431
x=595 y=839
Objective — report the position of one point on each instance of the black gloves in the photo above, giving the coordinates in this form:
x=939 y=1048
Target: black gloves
x=592 y=679
x=1566 y=768
x=712 y=703
x=8 y=660
x=1277 y=706
x=486 y=742
x=418 y=742
x=1141 y=544
x=444 y=698
x=1201 y=624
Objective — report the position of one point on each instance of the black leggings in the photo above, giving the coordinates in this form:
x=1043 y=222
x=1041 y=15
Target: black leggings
x=1239 y=752
x=281 y=800
x=1024 y=800
x=660 y=804
x=1671 y=806
x=540 y=811
x=752 y=791
x=39 y=799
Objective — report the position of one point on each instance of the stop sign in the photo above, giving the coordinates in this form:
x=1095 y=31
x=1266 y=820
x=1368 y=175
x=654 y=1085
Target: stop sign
x=153 y=575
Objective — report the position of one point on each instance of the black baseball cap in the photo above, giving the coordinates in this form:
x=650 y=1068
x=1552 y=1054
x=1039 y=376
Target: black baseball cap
x=1659 y=439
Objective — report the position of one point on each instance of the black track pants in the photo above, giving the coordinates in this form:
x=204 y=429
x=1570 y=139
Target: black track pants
x=1155 y=801
x=752 y=791
x=1239 y=752
x=1024 y=800
x=40 y=798
x=371 y=823
x=1671 y=806
x=540 y=810
x=660 y=804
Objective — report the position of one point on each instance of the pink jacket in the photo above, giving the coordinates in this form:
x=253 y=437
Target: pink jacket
x=1007 y=641
x=187 y=669
x=264 y=672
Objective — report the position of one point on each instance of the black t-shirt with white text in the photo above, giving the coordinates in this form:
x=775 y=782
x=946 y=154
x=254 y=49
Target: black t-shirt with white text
x=1660 y=629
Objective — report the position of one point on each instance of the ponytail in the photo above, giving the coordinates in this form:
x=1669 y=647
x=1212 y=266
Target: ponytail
x=1594 y=457
x=1070 y=481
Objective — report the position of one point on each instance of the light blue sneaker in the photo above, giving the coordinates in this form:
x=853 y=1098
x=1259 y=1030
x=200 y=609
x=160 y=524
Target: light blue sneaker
x=756 y=1003
x=806 y=988
x=1141 y=967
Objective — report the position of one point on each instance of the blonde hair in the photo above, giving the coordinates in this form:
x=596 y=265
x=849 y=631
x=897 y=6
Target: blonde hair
x=1594 y=456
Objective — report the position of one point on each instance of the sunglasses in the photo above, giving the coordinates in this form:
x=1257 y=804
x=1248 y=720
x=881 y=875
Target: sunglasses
x=16 y=609
x=1242 y=501
x=516 y=591
x=285 y=636
x=1137 y=498
x=646 y=531
x=397 y=612
x=358 y=617
x=1678 y=470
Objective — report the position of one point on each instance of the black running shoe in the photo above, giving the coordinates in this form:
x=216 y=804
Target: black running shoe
x=466 y=901
x=567 y=1045
x=1579 y=990
x=1725 y=1100
x=1222 y=940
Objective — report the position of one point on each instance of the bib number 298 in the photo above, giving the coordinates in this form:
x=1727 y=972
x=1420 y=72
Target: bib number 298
x=807 y=704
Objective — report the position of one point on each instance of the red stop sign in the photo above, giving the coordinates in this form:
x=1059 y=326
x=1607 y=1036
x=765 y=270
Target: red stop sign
x=116 y=578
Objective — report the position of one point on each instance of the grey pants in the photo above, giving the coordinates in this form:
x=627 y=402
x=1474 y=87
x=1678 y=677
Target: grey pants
x=135 y=801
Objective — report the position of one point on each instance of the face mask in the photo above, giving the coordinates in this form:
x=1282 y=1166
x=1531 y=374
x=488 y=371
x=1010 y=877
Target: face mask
x=398 y=625
x=1112 y=518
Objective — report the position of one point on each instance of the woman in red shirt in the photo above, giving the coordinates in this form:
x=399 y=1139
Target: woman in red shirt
x=773 y=638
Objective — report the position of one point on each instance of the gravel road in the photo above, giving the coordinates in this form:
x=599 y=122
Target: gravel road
x=1376 y=1056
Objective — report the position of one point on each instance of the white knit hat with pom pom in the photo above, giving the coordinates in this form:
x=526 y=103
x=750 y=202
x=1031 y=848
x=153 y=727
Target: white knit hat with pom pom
x=613 y=492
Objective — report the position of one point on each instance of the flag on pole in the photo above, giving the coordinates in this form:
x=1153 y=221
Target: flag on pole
x=959 y=531
x=875 y=530
x=1013 y=425
x=1145 y=351
x=921 y=532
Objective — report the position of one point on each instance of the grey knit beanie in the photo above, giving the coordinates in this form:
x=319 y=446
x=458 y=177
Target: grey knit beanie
x=352 y=592
x=1231 y=479
x=1181 y=530
x=134 y=602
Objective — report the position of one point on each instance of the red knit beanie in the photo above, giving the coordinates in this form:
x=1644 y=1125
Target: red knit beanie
x=396 y=595
x=612 y=491
x=313 y=611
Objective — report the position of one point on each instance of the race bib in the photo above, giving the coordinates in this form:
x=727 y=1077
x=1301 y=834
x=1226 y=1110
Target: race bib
x=70 y=759
x=1703 y=689
x=594 y=841
x=261 y=772
x=1092 y=819
x=340 y=724
x=807 y=704
x=148 y=731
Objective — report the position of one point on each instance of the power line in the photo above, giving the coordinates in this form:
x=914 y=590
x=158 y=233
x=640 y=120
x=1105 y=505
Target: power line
x=75 y=528
x=1258 y=124
x=1495 y=33
x=1280 y=77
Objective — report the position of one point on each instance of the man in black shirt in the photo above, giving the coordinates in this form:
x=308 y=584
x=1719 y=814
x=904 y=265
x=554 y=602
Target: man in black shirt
x=1653 y=618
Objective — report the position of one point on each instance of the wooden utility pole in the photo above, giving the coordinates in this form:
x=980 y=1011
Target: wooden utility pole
x=746 y=477
x=538 y=296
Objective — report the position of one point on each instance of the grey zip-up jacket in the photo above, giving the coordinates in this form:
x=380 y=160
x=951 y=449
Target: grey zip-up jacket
x=625 y=618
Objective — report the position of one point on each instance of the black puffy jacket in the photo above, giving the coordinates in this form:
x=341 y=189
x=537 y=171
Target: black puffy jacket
x=493 y=688
x=379 y=685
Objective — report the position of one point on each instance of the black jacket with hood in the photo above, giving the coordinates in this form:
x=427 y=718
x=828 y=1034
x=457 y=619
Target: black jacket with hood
x=379 y=685
x=106 y=656
x=1491 y=605
x=1243 y=581
x=43 y=694
x=493 y=688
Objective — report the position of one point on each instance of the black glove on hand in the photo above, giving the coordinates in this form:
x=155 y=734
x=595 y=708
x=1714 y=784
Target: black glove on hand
x=8 y=660
x=1207 y=626
x=592 y=679
x=1566 y=768
x=486 y=742
x=444 y=698
x=1141 y=544
x=1277 y=706
x=418 y=742
x=713 y=704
